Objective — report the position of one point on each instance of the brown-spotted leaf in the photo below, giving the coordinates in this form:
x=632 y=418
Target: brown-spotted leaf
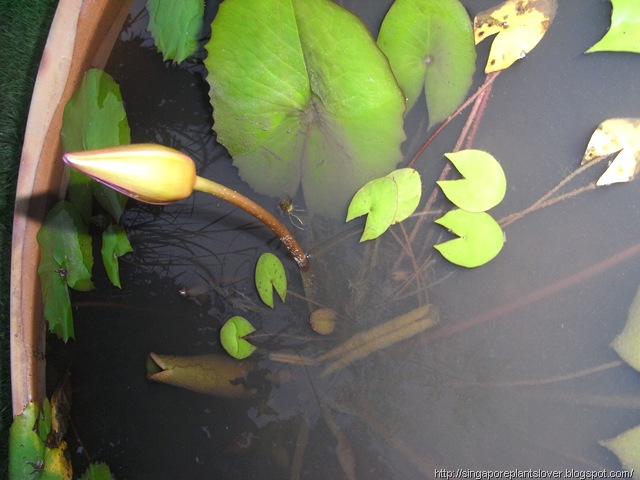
x=616 y=135
x=520 y=24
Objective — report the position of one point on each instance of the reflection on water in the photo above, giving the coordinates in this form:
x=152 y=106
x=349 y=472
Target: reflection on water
x=518 y=373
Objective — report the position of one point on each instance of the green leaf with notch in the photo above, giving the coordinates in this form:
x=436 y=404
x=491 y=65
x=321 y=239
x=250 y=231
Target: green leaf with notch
x=270 y=275
x=430 y=46
x=231 y=337
x=624 y=33
x=483 y=186
x=65 y=259
x=114 y=245
x=481 y=238
x=299 y=88
x=175 y=27
x=378 y=200
x=409 y=188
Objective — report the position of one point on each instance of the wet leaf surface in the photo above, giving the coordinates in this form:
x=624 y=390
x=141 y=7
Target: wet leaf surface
x=624 y=33
x=301 y=89
x=175 y=27
x=270 y=275
x=65 y=259
x=483 y=186
x=520 y=25
x=430 y=46
x=232 y=336
x=114 y=245
x=616 y=135
x=481 y=238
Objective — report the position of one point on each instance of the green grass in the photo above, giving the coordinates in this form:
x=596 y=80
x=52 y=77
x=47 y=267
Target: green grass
x=24 y=25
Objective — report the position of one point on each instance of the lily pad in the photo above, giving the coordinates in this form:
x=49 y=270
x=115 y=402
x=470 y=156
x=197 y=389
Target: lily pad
x=378 y=199
x=481 y=238
x=97 y=471
x=300 y=89
x=624 y=33
x=175 y=27
x=409 y=188
x=65 y=260
x=616 y=135
x=231 y=337
x=430 y=46
x=483 y=186
x=94 y=117
x=625 y=447
x=520 y=25
x=627 y=343
x=270 y=275
x=216 y=375
x=114 y=245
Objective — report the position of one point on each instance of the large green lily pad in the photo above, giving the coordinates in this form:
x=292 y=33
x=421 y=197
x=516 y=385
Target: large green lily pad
x=302 y=96
x=430 y=46
x=624 y=33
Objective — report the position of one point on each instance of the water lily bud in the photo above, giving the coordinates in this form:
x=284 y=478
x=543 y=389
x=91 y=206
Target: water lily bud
x=147 y=172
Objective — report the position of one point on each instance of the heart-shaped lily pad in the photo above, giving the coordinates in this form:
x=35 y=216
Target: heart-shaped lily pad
x=378 y=199
x=231 y=337
x=300 y=89
x=430 y=46
x=481 y=238
x=270 y=275
x=483 y=186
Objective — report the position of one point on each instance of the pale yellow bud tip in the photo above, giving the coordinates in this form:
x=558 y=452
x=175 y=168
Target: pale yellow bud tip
x=147 y=172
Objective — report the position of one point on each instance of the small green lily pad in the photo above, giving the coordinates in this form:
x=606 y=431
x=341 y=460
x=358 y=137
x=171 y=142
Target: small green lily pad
x=481 y=238
x=378 y=199
x=114 y=245
x=627 y=343
x=483 y=186
x=409 y=188
x=231 y=337
x=270 y=275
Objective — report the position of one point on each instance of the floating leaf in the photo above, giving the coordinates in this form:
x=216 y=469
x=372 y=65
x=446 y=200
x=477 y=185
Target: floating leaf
x=323 y=320
x=627 y=343
x=386 y=201
x=232 y=336
x=65 y=259
x=625 y=447
x=378 y=199
x=616 y=135
x=300 y=89
x=94 y=117
x=175 y=27
x=270 y=275
x=26 y=448
x=483 y=186
x=520 y=25
x=216 y=375
x=409 y=189
x=114 y=245
x=624 y=33
x=97 y=471
x=481 y=238
x=429 y=44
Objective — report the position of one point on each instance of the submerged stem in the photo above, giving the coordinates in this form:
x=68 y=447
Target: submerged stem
x=259 y=212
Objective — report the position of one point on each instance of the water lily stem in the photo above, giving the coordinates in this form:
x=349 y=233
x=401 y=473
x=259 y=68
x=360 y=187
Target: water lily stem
x=249 y=206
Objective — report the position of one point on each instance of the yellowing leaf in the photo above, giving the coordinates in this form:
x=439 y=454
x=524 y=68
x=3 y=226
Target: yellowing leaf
x=625 y=446
x=624 y=34
x=520 y=24
x=616 y=135
x=627 y=343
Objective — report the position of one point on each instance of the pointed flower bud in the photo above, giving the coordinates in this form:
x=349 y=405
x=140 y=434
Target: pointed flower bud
x=147 y=172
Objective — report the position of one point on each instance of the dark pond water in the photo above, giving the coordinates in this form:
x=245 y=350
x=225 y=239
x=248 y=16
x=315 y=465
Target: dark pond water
x=500 y=383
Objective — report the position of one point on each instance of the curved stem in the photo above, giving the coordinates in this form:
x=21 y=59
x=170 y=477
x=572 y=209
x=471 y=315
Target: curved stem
x=259 y=212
